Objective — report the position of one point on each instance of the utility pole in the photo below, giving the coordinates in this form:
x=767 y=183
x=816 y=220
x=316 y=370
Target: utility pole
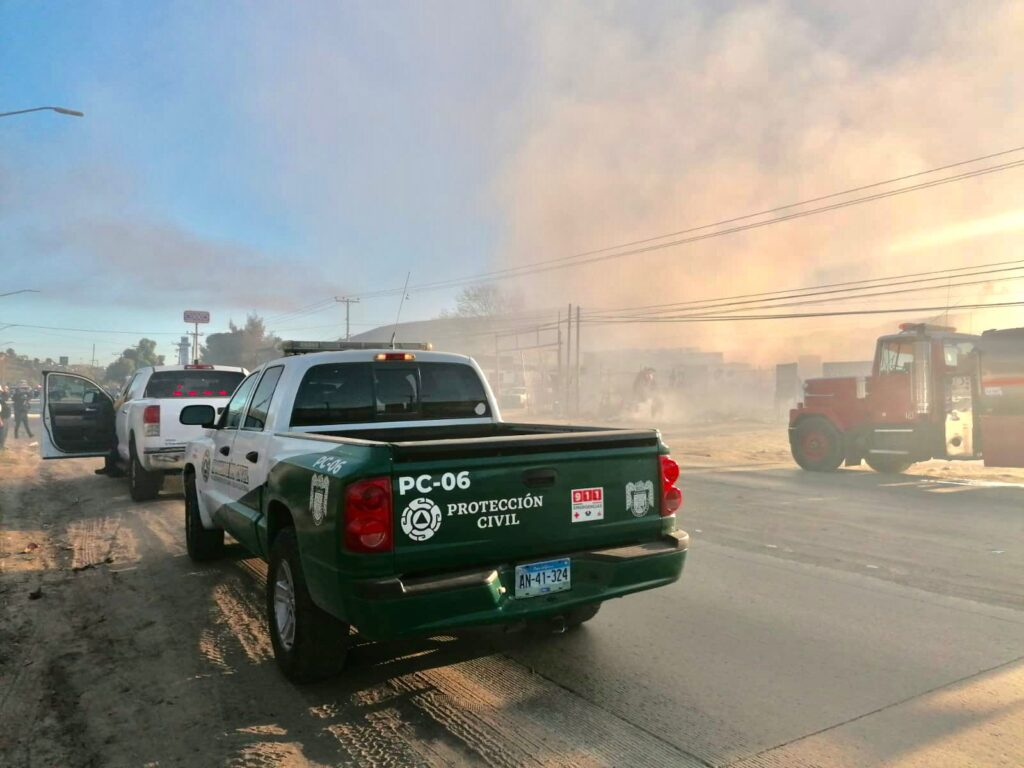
x=568 y=360
x=92 y=362
x=576 y=410
x=348 y=312
x=558 y=379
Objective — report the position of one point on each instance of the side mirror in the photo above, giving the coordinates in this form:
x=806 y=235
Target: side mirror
x=198 y=416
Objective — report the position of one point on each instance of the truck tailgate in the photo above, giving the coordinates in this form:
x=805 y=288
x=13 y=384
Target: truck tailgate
x=464 y=503
x=172 y=433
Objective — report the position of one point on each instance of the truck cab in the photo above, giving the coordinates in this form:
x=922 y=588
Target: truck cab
x=933 y=393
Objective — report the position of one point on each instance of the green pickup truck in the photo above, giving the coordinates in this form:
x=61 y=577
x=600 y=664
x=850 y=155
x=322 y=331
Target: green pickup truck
x=387 y=495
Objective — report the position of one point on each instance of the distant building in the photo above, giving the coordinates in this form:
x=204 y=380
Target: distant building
x=184 y=351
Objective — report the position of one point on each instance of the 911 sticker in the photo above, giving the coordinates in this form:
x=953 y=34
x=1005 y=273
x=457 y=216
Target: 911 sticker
x=587 y=504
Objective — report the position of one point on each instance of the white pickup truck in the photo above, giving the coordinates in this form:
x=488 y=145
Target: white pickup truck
x=138 y=432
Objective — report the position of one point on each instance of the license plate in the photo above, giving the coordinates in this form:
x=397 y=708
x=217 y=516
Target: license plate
x=535 y=579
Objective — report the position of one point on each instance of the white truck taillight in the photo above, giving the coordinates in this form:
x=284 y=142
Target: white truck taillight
x=151 y=421
x=671 y=496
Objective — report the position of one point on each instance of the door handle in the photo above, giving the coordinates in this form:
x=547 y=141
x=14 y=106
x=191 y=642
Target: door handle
x=124 y=410
x=225 y=450
x=91 y=410
x=252 y=456
x=539 y=478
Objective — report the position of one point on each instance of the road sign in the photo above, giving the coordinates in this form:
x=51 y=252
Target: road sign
x=196 y=316
x=63 y=360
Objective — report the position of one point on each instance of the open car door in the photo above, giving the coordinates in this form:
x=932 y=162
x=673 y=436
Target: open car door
x=78 y=417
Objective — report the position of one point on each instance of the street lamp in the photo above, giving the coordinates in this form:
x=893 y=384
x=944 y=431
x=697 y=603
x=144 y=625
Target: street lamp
x=23 y=290
x=60 y=110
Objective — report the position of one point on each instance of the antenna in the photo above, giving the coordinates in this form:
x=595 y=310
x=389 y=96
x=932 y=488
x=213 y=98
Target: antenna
x=405 y=287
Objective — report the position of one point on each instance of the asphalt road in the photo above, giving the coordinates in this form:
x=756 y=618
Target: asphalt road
x=823 y=620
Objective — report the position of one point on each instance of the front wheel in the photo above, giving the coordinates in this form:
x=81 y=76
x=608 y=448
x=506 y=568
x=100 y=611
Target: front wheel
x=888 y=465
x=309 y=643
x=817 y=445
x=143 y=485
x=202 y=544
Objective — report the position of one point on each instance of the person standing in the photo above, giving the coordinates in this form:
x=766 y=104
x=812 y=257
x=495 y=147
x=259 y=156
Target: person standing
x=5 y=415
x=21 y=412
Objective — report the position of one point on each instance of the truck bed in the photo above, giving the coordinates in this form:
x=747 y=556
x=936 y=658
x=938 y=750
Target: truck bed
x=495 y=439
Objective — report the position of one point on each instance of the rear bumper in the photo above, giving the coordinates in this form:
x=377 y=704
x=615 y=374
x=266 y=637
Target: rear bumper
x=383 y=608
x=163 y=458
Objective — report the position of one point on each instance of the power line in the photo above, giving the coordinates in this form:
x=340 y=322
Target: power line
x=95 y=330
x=787 y=301
x=941 y=274
x=794 y=315
x=604 y=254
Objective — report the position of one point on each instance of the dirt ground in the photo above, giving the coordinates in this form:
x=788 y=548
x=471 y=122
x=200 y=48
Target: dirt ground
x=116 y=650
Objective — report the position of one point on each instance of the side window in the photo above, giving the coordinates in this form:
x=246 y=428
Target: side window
x=897 y=357
x=256 y=418
x=233 y=411
x=958 y=355
x=126 y=395
x=66 y=389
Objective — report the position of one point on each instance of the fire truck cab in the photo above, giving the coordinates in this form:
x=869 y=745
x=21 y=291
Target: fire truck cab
x=933 y=393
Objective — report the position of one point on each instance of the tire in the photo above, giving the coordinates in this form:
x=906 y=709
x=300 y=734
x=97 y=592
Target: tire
x=142 y=484
x=888 y=465
x=577 y=616
x=309 y=644
x=817 y=446
x=202 y=544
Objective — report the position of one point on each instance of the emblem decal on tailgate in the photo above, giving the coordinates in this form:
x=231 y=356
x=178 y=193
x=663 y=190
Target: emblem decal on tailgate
x=421 y=519
x=587 y=504
x=640 y=498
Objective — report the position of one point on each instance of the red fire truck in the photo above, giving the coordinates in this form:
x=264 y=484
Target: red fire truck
x=933 y=394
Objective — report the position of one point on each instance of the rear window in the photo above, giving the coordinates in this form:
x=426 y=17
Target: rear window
x=349 y=393
x=194 y=383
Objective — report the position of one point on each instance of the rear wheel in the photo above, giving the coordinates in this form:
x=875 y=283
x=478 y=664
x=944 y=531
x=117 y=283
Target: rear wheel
x=201 y=543
x=309 y=644
x=817 y=445
x=142 y=484
x=888 y=465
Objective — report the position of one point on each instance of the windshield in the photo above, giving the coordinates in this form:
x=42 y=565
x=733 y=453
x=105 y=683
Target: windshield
x=193 y=383
x=347 y=393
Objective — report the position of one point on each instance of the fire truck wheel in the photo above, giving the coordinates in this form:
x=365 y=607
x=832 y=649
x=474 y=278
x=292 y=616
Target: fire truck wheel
x=888 y=465
x=817 y=445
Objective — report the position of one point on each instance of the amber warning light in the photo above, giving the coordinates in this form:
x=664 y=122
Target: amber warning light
x=390 y=356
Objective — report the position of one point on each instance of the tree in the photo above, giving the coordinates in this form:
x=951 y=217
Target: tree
x=483 y=300
x=133 y=358
x=247 y=346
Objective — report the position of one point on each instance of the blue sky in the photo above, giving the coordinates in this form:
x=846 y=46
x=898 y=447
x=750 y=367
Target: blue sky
x=263 y=157
x=241 y=157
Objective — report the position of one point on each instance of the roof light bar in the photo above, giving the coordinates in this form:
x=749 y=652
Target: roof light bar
x=926 y=328
x=305 y=347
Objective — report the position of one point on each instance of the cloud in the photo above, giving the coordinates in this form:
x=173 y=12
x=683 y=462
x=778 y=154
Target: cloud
x=645 y=122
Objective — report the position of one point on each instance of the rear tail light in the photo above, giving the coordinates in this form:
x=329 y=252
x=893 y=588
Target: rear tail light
x=392 y=356
x=151 y=421
x=671 y=496
x=368 y=516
